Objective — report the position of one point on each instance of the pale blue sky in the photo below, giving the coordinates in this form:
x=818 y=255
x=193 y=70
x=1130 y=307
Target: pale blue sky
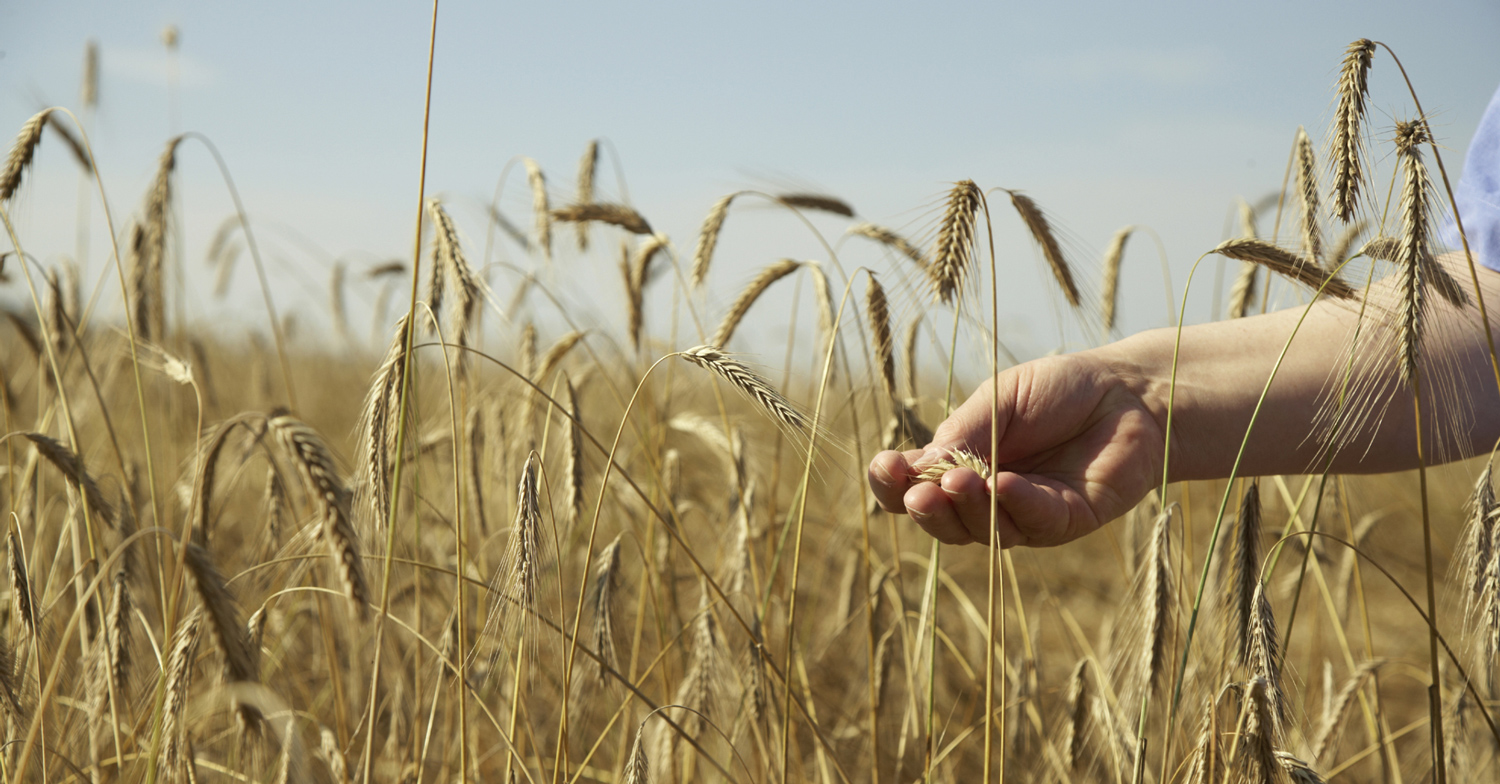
x=1153 y=113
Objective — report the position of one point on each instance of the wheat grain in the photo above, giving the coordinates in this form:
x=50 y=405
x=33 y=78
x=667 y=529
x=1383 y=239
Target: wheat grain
x=954 y=458
x=1041 y=231
x=748 y=296
x=1353 y=87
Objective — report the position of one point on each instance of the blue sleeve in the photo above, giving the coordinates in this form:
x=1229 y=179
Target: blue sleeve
x=1478 y=192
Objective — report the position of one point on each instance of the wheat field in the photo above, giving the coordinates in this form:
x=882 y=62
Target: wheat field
x=501 y=542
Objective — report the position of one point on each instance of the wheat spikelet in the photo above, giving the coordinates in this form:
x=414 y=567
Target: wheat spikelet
x=816 y=201
x=1286 y=264
x=877 y=309
x=20 y=583
x=635 y=302
x=637 y=766
x=613 y=214
x=222 y=611
x=1297 y=770
x=72 y=469
x=890 y=239
x=1079 y=697
x=539 y=206
x=1265 y=654
x=556 y=352
x=1307 y=192
x=748 y=296
x=750 y=384
x=1244 y=573
x=448 y=259
x=1041 y=231
x=1338 y=708
x=338 y=766
x=606 y=581
x=1158 y=600
x=377 y=427
x=708 y=239
x=955 y=458
x=586 y=166
x=573 y=488
x=117 y=635
x=75 y=146
x=1353 y=87
x=179 y=680
x=319 y=474
x=517 y=582
x=152 y=293
x=21 y=153
x=1111 y=284
x=953 y=255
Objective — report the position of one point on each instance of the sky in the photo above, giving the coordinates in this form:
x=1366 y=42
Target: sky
x=1157 y=114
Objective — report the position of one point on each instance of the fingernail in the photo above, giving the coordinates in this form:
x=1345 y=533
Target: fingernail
x=882 y=475
x=917 y=514
x=932 y=455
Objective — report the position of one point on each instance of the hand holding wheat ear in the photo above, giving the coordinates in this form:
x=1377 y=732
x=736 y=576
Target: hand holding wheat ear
x=1078 y=447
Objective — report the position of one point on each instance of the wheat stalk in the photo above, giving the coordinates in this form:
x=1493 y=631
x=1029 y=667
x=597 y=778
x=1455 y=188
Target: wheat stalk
x=1353 y=87
x=613 y=214
x=1041 y=231
x=953 y=255
x=1286 y=264
x=748 y=296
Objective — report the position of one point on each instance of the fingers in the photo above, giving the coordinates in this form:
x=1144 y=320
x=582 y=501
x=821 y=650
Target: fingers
x=931 y=508
x=890 y=476
x=1030 y=511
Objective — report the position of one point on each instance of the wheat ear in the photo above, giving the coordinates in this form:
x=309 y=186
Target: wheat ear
x=1265 y=654
x=879 y=312
x=179 y=679
x=750 y=384
x=573 y=489
x=890 y=239
x=586 y=166
x=1111 y=283
x=1244 y=572
x=708 y=239
x=71 y=466
x=1307 y=191
x=315 y=465
x=21 y=153
x=748 y=296
x=539 y=206
x=817 y=201
x=1286 y=264
x=953 y=255
x=1353 y=88
x=1041 y=231
x=1338 y=707
x=613 y=214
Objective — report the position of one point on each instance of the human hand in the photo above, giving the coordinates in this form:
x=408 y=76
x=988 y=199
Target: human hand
x=1080 y=443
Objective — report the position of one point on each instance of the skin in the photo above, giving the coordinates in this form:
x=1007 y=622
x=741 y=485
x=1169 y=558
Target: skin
x=1081 y=436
